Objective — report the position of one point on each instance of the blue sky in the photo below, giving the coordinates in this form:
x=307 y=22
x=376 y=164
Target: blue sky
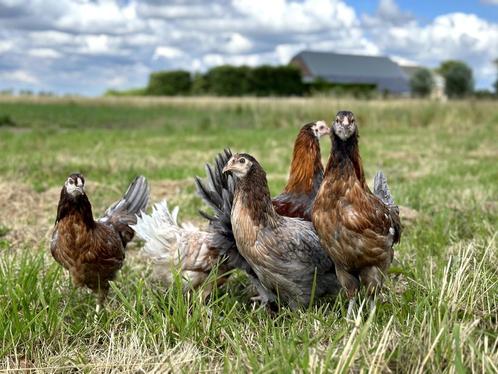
x=426 y=11
x=88 y=46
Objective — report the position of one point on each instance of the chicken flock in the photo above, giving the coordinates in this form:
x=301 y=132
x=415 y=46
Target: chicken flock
x=325 y=232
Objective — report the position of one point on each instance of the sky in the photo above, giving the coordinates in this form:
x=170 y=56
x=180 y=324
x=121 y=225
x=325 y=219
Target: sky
x=88 y=46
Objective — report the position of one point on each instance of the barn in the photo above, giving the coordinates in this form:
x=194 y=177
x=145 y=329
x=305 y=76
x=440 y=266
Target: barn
x=343 y=69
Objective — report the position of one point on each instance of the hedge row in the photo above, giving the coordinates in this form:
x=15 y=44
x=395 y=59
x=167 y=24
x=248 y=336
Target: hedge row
x=229 y=80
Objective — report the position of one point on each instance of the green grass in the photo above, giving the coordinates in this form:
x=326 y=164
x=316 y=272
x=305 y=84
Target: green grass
x=440 y=306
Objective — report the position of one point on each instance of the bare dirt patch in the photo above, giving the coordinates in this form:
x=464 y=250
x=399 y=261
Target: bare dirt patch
x=484 y=152
x=168 y=189
x=408 y=215
x=27 y=214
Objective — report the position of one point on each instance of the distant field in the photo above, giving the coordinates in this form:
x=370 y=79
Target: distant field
x=440 y=307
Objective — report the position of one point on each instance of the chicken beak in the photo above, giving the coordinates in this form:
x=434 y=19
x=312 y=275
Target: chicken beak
x=227 y=168
x=230 y=165
x=78 y=191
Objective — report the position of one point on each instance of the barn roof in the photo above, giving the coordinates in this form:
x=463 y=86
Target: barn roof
x=342 y=68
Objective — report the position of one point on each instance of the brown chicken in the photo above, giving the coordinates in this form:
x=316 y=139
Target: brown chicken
x=194 y=252
x=93 y=251
x=357 y=228
x=306 y=173
x=284 y=253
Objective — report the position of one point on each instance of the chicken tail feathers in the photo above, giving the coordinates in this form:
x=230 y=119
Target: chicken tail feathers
x=381 y=189
x=159 y=230
x=217 y=191
x=124 y=212
x=171 y=247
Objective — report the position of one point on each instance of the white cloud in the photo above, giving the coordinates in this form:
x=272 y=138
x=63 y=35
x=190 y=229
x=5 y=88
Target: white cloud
x=19 y=76
x=451 y=36
x=389 y=10
x=102 y=16
x=5 y=45
x=180 y=11
x=403 y=61
x=167 y=52
x=44 y=53
x=97 y=44
x=89 y=45
x=285 y=52
x=302 y=17
x=237 y=44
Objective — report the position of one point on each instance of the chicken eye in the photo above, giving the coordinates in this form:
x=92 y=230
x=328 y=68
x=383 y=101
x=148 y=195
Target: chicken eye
x=242 y=160
x=71 y=181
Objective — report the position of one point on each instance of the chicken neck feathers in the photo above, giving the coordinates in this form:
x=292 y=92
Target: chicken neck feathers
x=305 y=177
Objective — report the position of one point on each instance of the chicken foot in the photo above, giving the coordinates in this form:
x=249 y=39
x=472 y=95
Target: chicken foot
x=264 y=296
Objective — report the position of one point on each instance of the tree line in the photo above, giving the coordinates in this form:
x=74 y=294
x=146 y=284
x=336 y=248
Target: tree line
x=286 y=80
x=228 y=80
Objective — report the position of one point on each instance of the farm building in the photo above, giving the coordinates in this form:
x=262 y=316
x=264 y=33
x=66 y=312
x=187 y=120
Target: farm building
x=341 y=69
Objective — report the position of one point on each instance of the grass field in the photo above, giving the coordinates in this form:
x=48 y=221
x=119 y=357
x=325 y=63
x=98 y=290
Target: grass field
x=439 y=311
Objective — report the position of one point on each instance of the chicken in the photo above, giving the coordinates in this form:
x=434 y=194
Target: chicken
x=195 y=252
x=178 y=248
x=170 y=246
x=93 y=251
x=357 y=228
x=306 y=173
x=283 y=252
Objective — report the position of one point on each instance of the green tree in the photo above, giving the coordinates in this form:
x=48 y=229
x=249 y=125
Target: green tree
x=228 y=80
x=269 y=80
x=200 y=84
x=169 y=83
x=458 y=78
x=422 y=82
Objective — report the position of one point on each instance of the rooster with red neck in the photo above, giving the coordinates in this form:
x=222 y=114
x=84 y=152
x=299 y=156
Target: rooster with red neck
x=357 y=228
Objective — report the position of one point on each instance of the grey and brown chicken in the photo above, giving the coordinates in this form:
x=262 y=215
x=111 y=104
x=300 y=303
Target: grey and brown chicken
x=283 y=252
